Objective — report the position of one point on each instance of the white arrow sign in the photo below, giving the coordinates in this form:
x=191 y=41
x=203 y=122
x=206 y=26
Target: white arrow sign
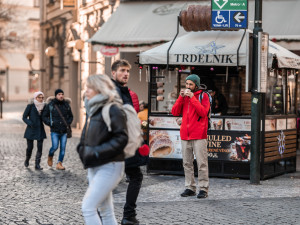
x=220 y=6
x=239 y=17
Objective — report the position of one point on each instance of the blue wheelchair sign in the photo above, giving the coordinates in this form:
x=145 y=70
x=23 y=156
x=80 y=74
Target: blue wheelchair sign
x=220 y=19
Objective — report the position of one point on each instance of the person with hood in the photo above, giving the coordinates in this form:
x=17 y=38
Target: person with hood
x=102 y=151
x=35 y=128
x=193 y=134
x=58 y=115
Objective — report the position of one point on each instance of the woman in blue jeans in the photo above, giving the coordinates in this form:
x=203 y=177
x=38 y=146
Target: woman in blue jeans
x=102 y=151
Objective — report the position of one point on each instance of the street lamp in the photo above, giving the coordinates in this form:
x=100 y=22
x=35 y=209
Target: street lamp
x=30 y=57
x=51 y=52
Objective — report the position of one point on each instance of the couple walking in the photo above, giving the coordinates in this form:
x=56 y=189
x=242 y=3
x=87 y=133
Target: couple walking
x=58 y=115
x=101 y=148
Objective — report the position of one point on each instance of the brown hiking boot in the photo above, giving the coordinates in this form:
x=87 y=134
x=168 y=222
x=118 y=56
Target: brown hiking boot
x=50 y=161
x=59 y=166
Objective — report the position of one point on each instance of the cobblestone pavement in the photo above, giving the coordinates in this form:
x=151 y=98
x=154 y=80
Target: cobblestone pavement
x=52 y=197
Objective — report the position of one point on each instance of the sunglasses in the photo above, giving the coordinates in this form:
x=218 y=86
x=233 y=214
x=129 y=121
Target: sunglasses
x=40 y=97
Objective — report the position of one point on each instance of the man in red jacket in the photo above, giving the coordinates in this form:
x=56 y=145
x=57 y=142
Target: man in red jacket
x=193 y=133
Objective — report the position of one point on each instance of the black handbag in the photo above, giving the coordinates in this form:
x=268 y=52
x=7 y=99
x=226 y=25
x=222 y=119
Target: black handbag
x=69 y=130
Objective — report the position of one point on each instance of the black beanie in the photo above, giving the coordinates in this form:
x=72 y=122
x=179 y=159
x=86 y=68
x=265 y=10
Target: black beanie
x=58 y=91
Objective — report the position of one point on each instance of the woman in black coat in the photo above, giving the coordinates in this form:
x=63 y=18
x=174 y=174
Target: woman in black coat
x=101 y=149
x=35 y=128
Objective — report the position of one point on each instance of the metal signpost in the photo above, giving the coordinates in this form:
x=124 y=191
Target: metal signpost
x=232 y=15
x=229 y=14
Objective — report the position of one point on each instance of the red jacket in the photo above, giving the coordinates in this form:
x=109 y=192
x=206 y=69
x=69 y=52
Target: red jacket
x=135 y=100
x=194 y=116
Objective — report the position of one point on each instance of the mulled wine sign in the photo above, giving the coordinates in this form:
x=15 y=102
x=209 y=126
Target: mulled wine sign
x=229 y=145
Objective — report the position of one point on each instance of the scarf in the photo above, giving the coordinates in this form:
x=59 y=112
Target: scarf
x=39 y=105
x=99 y=100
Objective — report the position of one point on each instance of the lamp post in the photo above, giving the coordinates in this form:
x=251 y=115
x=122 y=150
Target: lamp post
x=51 y=52
x=256 y=100
x=79 y=45
x=30 y=57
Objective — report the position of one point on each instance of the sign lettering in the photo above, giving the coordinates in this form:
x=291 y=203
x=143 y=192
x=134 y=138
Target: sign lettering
x=202 y=58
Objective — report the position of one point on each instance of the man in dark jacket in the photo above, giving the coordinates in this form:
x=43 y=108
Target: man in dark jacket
x=58 y=124
x=120 y=76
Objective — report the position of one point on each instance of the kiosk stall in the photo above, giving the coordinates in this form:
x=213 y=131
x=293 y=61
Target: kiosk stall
x=220 y=59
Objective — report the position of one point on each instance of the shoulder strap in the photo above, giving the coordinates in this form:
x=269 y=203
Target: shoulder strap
x=50 y=109
x=209 y=99
x=61 y=115
x=105 y=115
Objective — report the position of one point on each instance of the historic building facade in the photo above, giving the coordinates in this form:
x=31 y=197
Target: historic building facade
x=65 y=26
x=19 y=36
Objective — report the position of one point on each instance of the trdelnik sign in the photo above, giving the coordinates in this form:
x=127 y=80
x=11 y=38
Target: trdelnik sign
x=206 y=54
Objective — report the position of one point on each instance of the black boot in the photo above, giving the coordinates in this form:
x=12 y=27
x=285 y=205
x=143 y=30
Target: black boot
x=26 y=163
x=38 y=167
x=38 y=161
x=38 y=155
x=28 y=152
x=130 y=221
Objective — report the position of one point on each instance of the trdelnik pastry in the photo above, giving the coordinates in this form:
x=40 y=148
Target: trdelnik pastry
x=160 y=144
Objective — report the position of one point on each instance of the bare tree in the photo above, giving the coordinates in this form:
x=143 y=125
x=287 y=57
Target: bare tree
x=7 y=13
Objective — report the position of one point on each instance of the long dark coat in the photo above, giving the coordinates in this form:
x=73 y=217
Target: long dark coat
x=35 y=128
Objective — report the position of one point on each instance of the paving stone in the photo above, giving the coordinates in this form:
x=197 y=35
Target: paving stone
x=51 y=197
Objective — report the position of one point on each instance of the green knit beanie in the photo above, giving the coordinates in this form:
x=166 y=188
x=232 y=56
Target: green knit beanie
x=195 y=78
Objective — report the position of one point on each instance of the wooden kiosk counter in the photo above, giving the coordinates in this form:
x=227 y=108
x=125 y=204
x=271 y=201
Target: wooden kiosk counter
x=219 y=58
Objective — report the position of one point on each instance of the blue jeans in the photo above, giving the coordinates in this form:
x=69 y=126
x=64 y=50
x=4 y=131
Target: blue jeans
x=102 y=180
x=55 y=138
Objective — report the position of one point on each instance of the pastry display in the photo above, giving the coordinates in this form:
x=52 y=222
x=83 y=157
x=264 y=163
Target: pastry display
x=160 y=144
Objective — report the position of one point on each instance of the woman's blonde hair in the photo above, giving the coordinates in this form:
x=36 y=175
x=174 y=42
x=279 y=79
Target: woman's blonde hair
x=103 y=84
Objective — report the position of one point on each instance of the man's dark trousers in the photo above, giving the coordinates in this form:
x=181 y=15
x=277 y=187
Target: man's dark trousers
x=135 y=182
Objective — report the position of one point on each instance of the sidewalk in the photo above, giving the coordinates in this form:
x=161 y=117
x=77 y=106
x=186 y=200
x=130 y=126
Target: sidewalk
x=54 y=197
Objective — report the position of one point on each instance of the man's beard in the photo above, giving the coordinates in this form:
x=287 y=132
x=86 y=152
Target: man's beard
x=194 y=90
x=121 y=82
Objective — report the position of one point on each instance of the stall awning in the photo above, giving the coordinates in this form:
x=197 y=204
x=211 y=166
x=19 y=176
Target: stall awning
x=136 y=24
x=214 y=48
x=145 y=23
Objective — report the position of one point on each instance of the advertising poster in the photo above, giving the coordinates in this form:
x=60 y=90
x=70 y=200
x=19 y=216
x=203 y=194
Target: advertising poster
x=281 y=124
x=216 y=124
x=232 y=146
x=238 y=124
x=163 y=122
x=270 y=125
x=291 y=123
x=221 y=145
x=165 y=144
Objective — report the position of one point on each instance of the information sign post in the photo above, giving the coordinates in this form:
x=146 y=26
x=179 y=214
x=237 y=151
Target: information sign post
x=229 y=14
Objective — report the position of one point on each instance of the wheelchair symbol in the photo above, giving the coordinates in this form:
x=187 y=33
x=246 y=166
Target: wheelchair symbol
x=220 y=18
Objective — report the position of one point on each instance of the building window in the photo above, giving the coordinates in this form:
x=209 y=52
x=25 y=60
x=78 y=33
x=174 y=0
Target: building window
x=36 y=3
x=35 y=40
